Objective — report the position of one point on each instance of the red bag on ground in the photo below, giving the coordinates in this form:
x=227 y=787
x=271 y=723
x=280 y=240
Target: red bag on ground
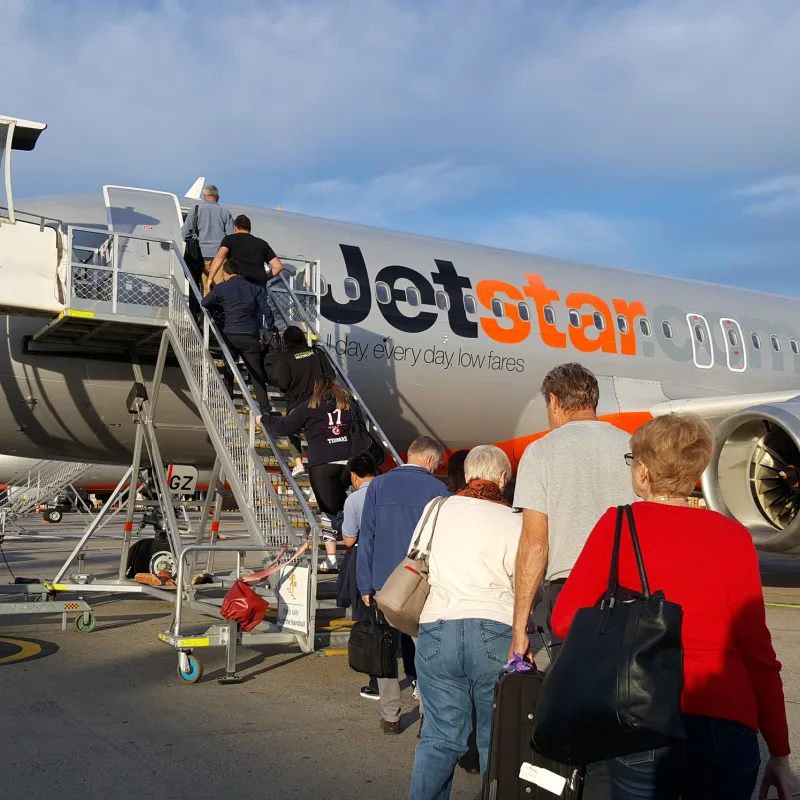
x=244 y=606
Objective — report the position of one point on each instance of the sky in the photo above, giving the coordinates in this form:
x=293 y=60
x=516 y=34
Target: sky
x=661 y=136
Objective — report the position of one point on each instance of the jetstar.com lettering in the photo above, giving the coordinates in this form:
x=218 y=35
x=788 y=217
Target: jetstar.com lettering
x=587 y=336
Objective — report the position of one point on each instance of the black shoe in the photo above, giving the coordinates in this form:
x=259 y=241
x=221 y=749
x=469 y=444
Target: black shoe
x=368 y=693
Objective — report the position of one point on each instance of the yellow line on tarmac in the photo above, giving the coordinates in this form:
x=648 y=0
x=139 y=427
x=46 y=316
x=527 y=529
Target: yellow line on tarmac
x=782 y=605
x=26 y=650
x=332 y=652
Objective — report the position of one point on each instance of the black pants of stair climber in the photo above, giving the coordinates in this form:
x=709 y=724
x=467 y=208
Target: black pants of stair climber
x=330 y=482
x=248 y=346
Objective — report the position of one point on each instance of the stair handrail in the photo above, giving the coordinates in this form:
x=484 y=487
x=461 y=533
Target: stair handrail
x=209 y=327
x=336 y=365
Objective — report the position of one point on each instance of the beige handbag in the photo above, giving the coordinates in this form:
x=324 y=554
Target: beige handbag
x=403 y=596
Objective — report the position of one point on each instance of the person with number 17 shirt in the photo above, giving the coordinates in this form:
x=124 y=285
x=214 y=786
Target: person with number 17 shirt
x=326 y=419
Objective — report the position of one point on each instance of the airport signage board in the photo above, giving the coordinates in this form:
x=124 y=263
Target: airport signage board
x=293 y=598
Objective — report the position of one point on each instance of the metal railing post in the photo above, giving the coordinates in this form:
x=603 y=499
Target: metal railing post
x=114 y=272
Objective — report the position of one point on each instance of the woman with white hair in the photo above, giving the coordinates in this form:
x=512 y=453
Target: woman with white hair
x=465 y=627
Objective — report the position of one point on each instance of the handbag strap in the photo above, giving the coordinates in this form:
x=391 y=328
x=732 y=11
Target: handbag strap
x=625 y=512
x=613 y=572
x=435 y=505
x=637 y=551
x=196 y=223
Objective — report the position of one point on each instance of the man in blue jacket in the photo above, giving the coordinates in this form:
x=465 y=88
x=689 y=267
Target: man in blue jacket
x=393 y=506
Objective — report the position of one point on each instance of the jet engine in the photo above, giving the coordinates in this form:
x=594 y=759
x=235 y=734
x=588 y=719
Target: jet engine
x=754 y=474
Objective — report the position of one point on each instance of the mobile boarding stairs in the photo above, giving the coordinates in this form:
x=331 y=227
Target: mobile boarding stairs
x=127 y=292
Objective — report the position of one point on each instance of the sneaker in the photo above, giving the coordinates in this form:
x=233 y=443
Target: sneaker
x=299 y=470
x=390 y=728
x=325 y=522
x=415 y=693
x=368 y=693
x=326 y=565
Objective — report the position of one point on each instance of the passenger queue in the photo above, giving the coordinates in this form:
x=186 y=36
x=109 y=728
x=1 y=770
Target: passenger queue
x=593 y=512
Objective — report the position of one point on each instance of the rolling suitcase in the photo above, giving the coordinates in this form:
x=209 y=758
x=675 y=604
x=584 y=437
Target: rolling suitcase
x=515 y=770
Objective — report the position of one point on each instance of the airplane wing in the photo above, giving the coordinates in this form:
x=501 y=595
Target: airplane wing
x=716 y=409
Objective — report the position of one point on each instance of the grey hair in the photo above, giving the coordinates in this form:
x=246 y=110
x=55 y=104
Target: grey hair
x=488 y=463
x=211 y=191
x=425 y=447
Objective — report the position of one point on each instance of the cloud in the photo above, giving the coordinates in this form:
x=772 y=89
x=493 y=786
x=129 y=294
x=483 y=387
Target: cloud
x=377 y=199
x=302 y=90
x=782 y=196
x=569 y=234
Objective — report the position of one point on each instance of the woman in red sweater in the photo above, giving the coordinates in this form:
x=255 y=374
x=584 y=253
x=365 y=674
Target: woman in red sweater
x=707 y=563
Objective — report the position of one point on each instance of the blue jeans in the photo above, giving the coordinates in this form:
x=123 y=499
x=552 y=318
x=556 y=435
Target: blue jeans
x=718 y=761
x=458 y=663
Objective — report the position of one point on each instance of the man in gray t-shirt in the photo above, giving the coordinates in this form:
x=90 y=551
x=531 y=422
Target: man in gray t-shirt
x=566 y=481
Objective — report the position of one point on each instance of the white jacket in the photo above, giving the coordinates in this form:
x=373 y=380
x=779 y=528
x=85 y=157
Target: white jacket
x=472 y=555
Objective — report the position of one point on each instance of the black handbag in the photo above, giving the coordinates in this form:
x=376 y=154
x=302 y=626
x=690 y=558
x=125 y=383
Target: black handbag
x=372 y=648
x=615 y=688
x=362 y=439
x=193 y=255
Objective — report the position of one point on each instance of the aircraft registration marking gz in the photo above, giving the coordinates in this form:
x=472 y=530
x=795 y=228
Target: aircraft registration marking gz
x=356 y=310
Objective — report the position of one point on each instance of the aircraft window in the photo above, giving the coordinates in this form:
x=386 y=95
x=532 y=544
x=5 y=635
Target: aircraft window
x=622 y=323
x=524 y=312
x=699 y=334
x=412 y=296
x=574 y=318
x=733 y=337
x=756 y=339
x=497 y=308
x=351 y=288
x=469 y=304
x=442 y=301
x=795 y=346
x=599 y=321
x=776 y=343
x=383 y=294
x=644 y=327
x=549 y=315
x=667 y=328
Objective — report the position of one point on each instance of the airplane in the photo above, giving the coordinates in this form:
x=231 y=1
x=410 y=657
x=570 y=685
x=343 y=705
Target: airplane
x=446 y=339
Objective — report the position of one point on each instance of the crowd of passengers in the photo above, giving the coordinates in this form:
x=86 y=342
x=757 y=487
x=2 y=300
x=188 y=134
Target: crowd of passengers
x=501 y=550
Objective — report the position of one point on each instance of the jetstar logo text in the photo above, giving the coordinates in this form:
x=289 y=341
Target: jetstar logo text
x=512 y=328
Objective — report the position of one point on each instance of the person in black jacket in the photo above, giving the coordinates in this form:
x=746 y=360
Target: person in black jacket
x=326 y=419
x=243 y=305
x=294 y=372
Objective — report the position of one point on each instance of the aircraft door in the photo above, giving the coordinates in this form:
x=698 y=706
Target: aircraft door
x=146 y=213
x=702 y=346
x=734 y=345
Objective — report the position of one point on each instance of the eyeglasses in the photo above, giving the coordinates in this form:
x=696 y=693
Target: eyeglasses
x=629 y=459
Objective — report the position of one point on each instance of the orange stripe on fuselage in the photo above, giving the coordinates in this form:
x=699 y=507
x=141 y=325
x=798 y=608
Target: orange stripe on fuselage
x=628 y=421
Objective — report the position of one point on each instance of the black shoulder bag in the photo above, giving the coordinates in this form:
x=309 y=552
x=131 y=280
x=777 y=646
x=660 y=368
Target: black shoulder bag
x=193 y=255
x=372 y=648
x=615 y=688
x=362 y=440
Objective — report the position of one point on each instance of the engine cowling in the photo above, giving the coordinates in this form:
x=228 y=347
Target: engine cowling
x=754 y=474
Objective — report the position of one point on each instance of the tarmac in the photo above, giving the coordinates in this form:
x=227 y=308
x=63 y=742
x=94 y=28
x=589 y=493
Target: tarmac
x=95 y=715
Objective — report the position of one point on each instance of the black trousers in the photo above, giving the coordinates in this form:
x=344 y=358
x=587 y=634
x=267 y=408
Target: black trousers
x=329 y=483
x=248 y=346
